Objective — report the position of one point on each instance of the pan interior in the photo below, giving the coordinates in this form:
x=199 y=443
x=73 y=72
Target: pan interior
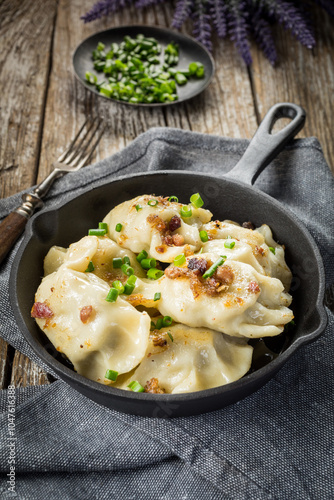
x=226 y=200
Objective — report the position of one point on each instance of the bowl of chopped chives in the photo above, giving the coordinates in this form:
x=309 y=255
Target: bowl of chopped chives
x=143 y=65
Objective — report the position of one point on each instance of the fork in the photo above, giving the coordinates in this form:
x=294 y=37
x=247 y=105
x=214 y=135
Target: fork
x=74 y=157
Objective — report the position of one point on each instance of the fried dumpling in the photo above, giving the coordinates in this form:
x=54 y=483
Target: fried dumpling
x=180 y=359
x=154 y=224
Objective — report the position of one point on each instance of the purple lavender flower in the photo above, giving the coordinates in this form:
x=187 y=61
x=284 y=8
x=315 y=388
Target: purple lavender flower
x=183 y=11
x=103 y=8
x=263 y=36
x=238 y=29
x=202 y=26
x=217 y=9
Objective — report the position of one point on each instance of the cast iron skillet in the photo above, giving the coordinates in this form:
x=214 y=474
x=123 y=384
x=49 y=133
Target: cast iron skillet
x=242 y=202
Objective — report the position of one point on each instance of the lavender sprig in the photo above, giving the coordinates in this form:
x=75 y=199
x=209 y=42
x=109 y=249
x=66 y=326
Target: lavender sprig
x=236 y=18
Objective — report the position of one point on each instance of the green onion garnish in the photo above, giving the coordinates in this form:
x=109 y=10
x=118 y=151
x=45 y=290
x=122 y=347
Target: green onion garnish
x=132 y=280
x=135 y=386
x=148 y=263
x=159 y=323
x=153 y=325
x=103 y=225
x=229 y=244
x=179 y=260
x=126 y=260
x=128 y=270
x=138 y=207
x=128 y=289
x=152 y=203
x=214 y=267
x=90 y=267
x=173 y=199
x=204 y=236
x=157 y=296
x=119 y=286
x=112 y=295
x=154 y=273
x=272 y=249
x=111 y=375
x=186 y=211
x=170 y=336
x=117 y=263
x=167 y=321
x=97 y=232
x=118 y=227
x=196 y=200
x=142 y=255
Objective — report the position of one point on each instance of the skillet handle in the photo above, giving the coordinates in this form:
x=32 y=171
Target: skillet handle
x=265 y=146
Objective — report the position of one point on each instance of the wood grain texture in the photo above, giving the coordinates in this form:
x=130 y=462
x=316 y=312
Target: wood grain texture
x=26 y=29
x=304 y=77
x=10 y=229
x=26 y=372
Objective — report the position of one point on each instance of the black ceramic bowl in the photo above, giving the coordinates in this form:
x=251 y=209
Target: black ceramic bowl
x=241 y=202
x=190 y=50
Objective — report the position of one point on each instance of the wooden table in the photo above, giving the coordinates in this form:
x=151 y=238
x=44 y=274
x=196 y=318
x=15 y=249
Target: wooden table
x=43 y=104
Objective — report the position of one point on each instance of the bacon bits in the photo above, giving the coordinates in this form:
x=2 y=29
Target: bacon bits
x=199 y=265
x=152 y=386
x=248 y=225
x=86 y=313
x=174 y=223
x=254 y=287
x=41 y=310
x=225 y=275
x=178 y=240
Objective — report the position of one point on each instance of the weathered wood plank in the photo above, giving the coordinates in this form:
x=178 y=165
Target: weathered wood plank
x=26 y=372
x=304 y=77
x=26 y=35
x=26 y=30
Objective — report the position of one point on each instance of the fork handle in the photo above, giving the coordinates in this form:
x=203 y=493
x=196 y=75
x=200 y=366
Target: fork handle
x=13 y=225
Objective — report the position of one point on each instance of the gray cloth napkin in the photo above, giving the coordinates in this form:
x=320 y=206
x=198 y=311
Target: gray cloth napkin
x=275 y=444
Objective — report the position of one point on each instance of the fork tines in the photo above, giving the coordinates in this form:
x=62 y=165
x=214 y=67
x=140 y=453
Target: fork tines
x=83 y=144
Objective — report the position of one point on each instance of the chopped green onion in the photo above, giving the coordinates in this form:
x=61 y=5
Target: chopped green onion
x=204 y=236
x=179 y=260
x=135 y=386
x=111 y=375
x=212 y=269
x=90 y=267
x=118 y=227
x=272 y=249
x=103 y=225
x=132 y=280
x=148 y=263
x=159 y=324
x=152 y=203
x=142 y=255
x=154 y=274
x=229 y=244
x=153 y=325
x=128 y=289
x=138 y=207
x=157 y=296
x=167 y=321
x=128 y=270
x=97 y=232
x=170 y=336
x=173 y=199
x=112 y=295
x=118 y=285
x=196 y=200
x=117 y=263
x=126 y=260
x=186 y=211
